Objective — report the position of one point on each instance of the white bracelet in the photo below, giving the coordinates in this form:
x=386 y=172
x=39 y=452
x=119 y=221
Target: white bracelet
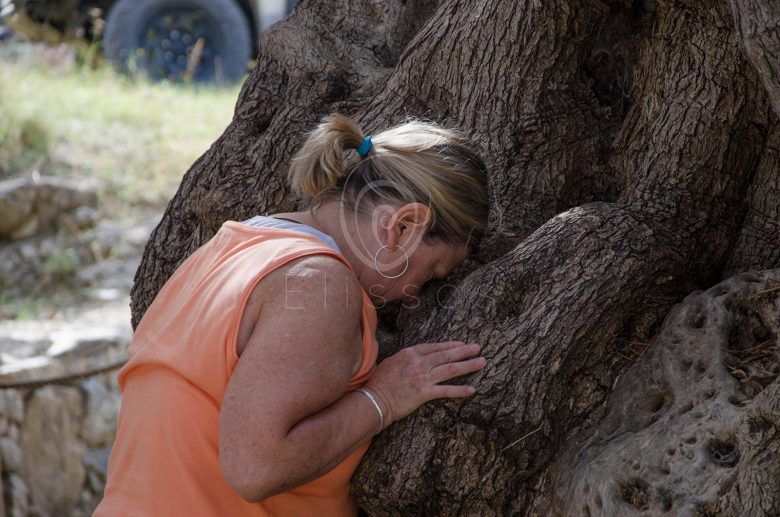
x=376 y=405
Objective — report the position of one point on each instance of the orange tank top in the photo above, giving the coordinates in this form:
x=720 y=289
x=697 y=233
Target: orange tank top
x=165 y=460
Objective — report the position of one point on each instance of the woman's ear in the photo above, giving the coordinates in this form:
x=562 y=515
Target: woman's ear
x=413 y=215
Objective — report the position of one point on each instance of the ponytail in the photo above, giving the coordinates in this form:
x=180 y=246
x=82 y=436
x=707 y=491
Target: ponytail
x=319 y=165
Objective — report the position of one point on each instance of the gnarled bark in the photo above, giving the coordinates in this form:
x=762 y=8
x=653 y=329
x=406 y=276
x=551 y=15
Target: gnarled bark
x=693 y=426
x=758 y=26
x=761 y=222
x=632 y=150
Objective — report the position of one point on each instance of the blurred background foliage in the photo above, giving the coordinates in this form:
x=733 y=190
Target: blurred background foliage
x=134 y=138
x=66 y=115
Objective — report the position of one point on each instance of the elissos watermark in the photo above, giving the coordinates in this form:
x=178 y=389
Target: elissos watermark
x=444 y=294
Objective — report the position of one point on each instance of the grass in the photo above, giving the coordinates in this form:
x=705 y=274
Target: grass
x=23 y=141
x=134 y=139
x=24 y=308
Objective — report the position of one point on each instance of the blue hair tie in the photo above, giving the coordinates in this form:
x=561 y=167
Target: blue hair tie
x=364 y=147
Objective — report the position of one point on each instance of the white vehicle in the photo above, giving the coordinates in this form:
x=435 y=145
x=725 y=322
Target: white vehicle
x=205 y=40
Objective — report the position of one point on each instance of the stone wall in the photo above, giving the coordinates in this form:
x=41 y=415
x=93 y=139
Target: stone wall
x=54 y=447
x=56 y=249
x=55 y=440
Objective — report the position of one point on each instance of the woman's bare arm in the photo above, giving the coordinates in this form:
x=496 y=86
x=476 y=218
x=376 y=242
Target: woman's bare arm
x=286 y=418
x=298 y=360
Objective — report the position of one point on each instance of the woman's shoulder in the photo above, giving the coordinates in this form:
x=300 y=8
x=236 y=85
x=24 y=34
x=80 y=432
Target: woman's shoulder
x=318 y=287
x=319 y=278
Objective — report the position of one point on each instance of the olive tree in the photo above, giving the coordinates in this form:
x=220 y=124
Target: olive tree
x=624 y=295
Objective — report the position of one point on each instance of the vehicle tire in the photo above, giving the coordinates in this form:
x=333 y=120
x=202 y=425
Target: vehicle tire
x=159 y=39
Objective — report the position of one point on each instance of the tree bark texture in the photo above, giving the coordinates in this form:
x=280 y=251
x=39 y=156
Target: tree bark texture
x=634 y=159
x=692 y=427
x=758 y=27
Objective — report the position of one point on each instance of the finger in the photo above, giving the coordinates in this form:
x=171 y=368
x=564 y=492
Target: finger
x=429 y=348
x=451 y=355
x=449 y=371
x=451 y=391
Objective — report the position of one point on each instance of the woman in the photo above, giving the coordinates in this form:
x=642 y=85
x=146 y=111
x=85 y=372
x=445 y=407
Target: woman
x=251 y=386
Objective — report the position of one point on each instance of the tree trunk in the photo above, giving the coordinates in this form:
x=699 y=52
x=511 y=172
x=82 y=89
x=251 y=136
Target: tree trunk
x=634 y=158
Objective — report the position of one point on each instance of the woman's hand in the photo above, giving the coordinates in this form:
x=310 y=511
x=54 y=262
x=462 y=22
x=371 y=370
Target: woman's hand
x=413 y=376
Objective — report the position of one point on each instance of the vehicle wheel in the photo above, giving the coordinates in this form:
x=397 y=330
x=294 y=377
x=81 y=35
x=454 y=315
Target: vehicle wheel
x=207 y=40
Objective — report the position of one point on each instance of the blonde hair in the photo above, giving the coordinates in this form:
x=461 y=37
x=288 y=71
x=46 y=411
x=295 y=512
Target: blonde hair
x=413 y=162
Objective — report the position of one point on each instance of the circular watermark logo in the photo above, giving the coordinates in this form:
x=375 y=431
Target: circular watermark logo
x=369 y=200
